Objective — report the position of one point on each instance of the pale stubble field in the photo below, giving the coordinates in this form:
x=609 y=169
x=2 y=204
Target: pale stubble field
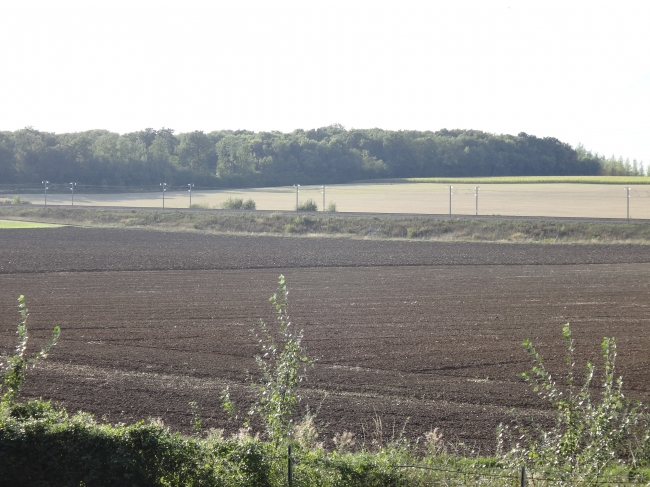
x=554 y=200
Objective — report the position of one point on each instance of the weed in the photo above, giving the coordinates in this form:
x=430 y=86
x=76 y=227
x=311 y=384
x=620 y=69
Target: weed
x=306 y=434
x=331 y=208
x=434 y=442
x=344 y=441
x=290 y=228
x=412 y=232
x=196 y=419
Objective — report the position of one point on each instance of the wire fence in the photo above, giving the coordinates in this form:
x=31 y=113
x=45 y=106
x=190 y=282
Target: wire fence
x=520 y=477
x=537 y=200
x=450 y=474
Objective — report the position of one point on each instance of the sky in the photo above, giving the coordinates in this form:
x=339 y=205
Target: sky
x=578 y=71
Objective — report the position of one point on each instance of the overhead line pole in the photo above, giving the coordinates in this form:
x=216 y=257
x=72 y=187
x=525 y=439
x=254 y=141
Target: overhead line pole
x=45 y=186
x=164 y=188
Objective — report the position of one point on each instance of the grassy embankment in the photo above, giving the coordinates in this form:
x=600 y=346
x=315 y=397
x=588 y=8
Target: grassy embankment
x=336 y=225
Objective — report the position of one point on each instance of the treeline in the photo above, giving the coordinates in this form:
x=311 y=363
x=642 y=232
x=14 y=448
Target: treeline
x=614 y=166
x=321 y=156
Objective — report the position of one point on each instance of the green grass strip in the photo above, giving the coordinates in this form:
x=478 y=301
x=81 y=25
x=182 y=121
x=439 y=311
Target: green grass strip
x=23 y=224
x=525 y=180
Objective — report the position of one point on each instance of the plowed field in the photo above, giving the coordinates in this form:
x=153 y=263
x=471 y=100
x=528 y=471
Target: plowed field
x=420 y=334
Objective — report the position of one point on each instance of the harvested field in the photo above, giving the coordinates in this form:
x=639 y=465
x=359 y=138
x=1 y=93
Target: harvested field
x=559 y=199
x=421 y=330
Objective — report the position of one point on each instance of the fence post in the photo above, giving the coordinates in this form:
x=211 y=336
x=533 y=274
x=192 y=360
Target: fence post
x=523 y=476
x=289 y=467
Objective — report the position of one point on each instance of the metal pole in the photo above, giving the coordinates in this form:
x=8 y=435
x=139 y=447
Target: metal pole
x=190 y=190
x=523 y=476
x=628 y=201
x=45 y=183
x=164 y=188
x=477 y=188
x=323 y=197
x=72 y=185
x=450 y=188
x=290 y=467
x=297 y=190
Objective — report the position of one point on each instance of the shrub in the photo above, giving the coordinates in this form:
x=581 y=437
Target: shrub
x=238 y=204
x=204 y=206
x=233 y=204
x=331 y=208
x=13 y=367
x=17 y=200
x=249 y=204
x=589 y=435
x=309 y=205
x=282 y=362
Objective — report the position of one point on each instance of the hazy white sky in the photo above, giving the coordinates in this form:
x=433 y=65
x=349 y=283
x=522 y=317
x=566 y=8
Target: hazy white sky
x=578 y=71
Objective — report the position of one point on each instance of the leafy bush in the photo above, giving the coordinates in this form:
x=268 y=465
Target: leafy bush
x=331 y=208
x=13 y=367
x=204 y=206
x=17 y=200
x=233 y=204
x=238 y=204
x=589 y=435
x=309 y=205
x=283 y=362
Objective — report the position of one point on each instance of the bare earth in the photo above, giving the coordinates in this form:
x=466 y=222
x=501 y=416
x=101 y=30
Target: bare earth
x=421 y=334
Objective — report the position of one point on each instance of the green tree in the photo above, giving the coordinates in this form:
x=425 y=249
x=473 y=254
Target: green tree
x=235 y=158
x=197 y=151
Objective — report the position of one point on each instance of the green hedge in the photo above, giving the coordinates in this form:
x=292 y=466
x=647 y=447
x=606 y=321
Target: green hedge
x=43 y=446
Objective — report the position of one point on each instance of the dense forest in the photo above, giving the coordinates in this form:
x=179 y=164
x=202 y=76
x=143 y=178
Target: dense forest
x=326 y=155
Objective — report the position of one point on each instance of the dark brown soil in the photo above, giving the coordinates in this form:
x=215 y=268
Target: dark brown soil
x=416 y=333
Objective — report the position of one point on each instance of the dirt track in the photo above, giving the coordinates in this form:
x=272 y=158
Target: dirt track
x=419 y=330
